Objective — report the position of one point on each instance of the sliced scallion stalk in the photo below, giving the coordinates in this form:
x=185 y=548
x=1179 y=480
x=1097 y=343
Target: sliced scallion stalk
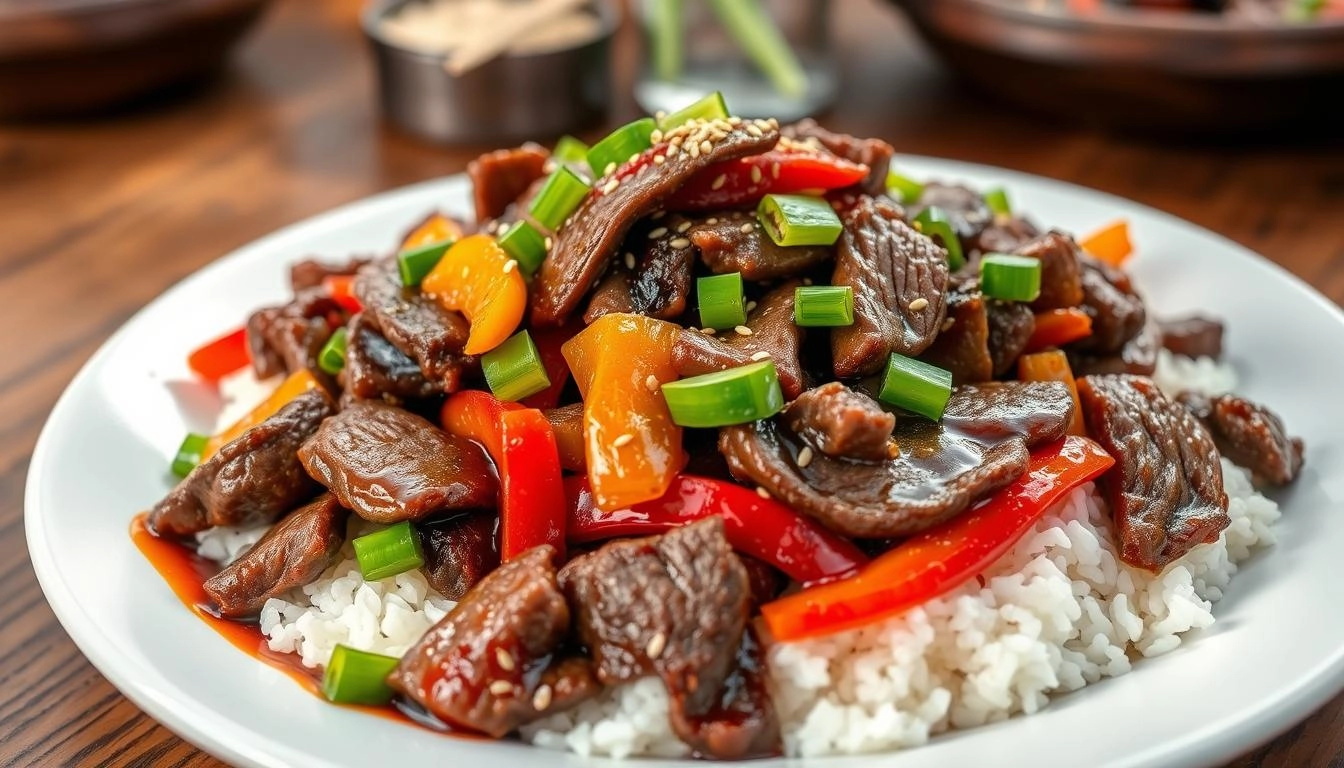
x=559 y=196
x=415 y=263
x=570 y=150
x=750 y=24
x=821 y=306
x=1009 y=277
x=723 y=398
x=189 y=454
x=620 y=145
x=798 y=220
x=932 y=221
x=513 y=370
x=711 y=107
x=997 y=200
x=525 y=245
x=358 y=677
x=395 y=549
x=721 y=302
x=332 y=357
x=904 y=188
x=916 y=386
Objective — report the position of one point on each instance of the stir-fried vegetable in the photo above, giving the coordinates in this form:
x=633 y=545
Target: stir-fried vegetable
x=570 y=150
x=723 y=398
x=387 y=552
x=1053 y=365
x=916 y=386
x=526 y=245
x=997 y=200
x=1057 y=327
x=559 y=196
x=549 y=342
x=476 y=415
x=721 y=301
x=1010 y=277
x=332 y=357
x=341 y=289
x=904 y=188
x=942 y=558
x=436 y=229
x=821 y=306
x=621 y=145
x=477 y=278
x=710 y=107
x=1111 y=243
x=294 y=385
x=934 y=222
x=189 y=453
x=221 y=357
x=532 y=507
x=798 y=220
x=416 y=263
x=514 y=370
x=358 y=677
x=738 y=183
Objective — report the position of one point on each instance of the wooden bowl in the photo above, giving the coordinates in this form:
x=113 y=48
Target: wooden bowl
x=60 y=58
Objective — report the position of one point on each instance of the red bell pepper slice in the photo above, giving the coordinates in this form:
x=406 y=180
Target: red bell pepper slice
x=475 y=415
x=549 y=341
x=760 y=527
x=341 y=288
x=942 y=558
x=743 y=182
x=221 y=357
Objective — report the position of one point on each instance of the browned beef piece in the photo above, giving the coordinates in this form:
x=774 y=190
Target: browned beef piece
x=1003 y=236
x=980 y=446
x=387 y=465
x=1116 y=310
x=874 y=153
x=838 y=421
x=415 y=324
x=733 y=241
x=1166 y=488
x=250 y=481
x=765 y=580
x=612 y=296
x=288 y=338
x=310 y=273
x=965 y=208
x=459 y=552
x=1249 y=435
x=1010 y=328
x=660 y=285
x=898 y=276
x=962 y=346
x=584 y=249
x=1061 y=271
x=743 y=724
x=674 y=605
x=486 y=666
x=500 y=177
x=1138 y=356
x=772 y=332
x=374 y=368
x=1193 y=336
x=291 y=554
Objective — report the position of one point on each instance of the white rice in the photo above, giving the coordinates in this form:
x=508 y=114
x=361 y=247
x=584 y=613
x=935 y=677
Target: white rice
x=1058 y=612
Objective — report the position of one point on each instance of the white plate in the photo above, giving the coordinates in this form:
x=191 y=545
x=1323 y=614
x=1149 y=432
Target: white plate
x=1275 y=654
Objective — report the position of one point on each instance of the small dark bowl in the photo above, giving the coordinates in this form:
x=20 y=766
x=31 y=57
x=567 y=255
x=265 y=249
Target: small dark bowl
x=1168 y=72
x=60 y=58
x=509 y=99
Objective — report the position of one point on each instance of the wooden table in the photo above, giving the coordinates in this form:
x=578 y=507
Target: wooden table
x=97 y=218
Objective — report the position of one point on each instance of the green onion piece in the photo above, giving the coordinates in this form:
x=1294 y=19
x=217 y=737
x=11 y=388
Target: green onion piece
x=189 y=454
x=711 y=107
x=513 y=370
x=904 y=188
x=750 y=24
x=997 y=200
x=559 y=196
x=798 y=220
x=721 y=302
x=665 y=39
x=933 y=222
x=525 y=245
x=620 y=145
x=570 y=150
x=723 y=398
x=820 y=306
x=395 y=549
x=916 y=386
x=358 y=677
x=1009 y=277
x=418 y=262
x=332 y=357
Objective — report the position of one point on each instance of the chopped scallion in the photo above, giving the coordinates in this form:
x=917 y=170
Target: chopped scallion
x=358 y=677
x=932 y=221
x=513 y=370
x=189 y=454
x=916 y=386
x=904 y=188
x=820 y=306
x=415 y=263
x=711 y=107
x=723 y=398
x=997 y=200
x=620 y=145
x=525 y=245
x=559 y=196
x=721 y=302
x=570 y=150
x=332 y=357
x=1009 y=277
x=395 y=549
x=798 y=220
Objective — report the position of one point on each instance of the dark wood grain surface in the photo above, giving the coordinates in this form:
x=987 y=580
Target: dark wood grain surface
x=99 y=217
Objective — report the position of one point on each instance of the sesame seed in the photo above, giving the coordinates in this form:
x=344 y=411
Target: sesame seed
x=755 y=175
x=948 y=323
x=652 y=383
x=746 y=228
x=501 y=687
x=622 y=440
x=774 y=170
x=632 y=158
x=659 y=159
x=754 y=130
x=549 y=243
x=629 y=261
x=610 y=186
x=711 y=220
x=610 y=169
x=751 y=305
x=659 y=115
x=706 y=147
x=707 y=331
x=680 y=243
x=656 y=645
x=805 y=456
x=760 y=491
x=919 y=227
x=676 y=140
x=807 y=281
x=742 y=330
x=719 y=181
x=542 y=698
x=549 y=166
x=759 y=356
x=893 y=449
x=656 y=136
x=658 y=215
x=683 y=226
x=695 y=150
x=734 y=120
x=509 y=266
x=919 y=304
x=656 y=233
x=505 y=660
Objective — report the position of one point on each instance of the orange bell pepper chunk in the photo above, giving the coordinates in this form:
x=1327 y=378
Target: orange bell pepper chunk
x=1053 y=365
x=477 y=278
x=297 y=383
x=435 y=229
x=1111 y=244
x=631 y=445
x=1057 y=327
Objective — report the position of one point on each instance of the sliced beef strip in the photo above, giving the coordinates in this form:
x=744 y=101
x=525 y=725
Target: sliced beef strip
x=415 y=324
x=584 y=248
x=490 y=665
x=899 y=277
x=840 y=422
x=310 y=273
x=1061 y=270
x=1116 y=311
x=1249 y=435
x=459 y=552
x=1193 y=336
x=962 y=345
x=772 y=331
x=674 y=605
x=374 y=368
x=612 y=296
x=1010 y=328
x=1138 y=356
x=980 y=446
x=251 y=480
x=292 y=553
x=502 y=176
x=743 y=724
x=1166 y=488
x=288 y=338
x=965 y=208
x=874 y=153
x=1003 y=236
x=387 y=465
x=660 y=285
x=733 y=241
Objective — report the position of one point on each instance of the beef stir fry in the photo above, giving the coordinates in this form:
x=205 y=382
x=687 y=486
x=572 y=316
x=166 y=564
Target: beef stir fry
x=654 y=383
